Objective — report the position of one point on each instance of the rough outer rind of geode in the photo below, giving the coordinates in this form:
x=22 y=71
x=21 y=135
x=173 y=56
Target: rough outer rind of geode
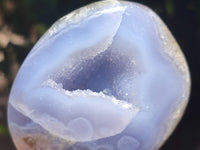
x=108 y=76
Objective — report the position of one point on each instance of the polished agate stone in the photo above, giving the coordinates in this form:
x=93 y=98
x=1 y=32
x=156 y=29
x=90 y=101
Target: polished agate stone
x=108 y=76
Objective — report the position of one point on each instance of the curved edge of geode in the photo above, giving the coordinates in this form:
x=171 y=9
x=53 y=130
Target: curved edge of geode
x=175 y=54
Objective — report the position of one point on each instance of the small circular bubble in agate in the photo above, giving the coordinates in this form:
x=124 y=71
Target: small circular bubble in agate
x=108 y=76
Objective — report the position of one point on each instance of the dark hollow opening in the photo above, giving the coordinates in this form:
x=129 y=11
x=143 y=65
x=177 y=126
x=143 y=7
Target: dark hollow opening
x=97 y=74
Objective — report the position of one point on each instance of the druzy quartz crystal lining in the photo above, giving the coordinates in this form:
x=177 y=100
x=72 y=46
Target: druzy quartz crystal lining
x=108 y=76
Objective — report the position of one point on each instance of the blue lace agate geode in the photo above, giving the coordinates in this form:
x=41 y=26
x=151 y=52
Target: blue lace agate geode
x=108 y=76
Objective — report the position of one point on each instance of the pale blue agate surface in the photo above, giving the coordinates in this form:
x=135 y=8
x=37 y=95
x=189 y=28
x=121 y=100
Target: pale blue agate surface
x=109 y=76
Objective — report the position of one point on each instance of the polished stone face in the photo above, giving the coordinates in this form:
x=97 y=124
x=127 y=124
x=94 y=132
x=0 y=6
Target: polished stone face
x=109 y=76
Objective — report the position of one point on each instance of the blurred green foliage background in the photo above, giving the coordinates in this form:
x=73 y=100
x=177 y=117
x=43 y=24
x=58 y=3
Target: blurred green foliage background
x=23 y=22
